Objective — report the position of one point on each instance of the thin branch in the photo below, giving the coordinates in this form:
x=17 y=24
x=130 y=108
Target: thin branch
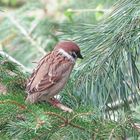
x=55 y=114
x=134 y=125
x=3 y=89
x=88 y=10
x=111 y=134
x=66 y=121
x=22 y=107
x=81 y=114
x=19 y=105
x=26 y=34
x=4 y=54
x=120 y=103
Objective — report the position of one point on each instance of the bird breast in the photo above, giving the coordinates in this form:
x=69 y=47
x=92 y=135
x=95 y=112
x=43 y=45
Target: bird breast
x=58 y=86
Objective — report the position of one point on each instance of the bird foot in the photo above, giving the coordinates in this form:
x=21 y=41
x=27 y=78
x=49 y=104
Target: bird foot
x=57 y=104
x=64 y=108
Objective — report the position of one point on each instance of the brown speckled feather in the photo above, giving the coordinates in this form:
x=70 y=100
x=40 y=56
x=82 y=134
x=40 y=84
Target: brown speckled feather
x=49 y=72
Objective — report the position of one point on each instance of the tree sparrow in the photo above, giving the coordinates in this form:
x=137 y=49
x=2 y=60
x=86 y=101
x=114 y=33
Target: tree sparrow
x=52 y=73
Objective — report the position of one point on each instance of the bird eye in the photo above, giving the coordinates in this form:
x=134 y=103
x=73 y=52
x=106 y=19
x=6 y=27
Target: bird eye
x=74 y=55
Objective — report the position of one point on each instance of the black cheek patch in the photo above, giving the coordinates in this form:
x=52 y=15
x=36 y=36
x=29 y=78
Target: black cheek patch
x=74 y=55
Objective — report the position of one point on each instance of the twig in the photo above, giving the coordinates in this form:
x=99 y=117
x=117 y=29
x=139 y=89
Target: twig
x=111 y=134
x=55 y=114
x=81 y=114
x=134 y=125
x=66 y=121
x=77 y=126
x=4 y=54
x=3 y=89
x=26 y=34
x=120 y=103
x=22 y=107
x=88 y=10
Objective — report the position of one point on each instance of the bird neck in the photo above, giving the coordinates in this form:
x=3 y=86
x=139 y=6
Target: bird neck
x=66 y=54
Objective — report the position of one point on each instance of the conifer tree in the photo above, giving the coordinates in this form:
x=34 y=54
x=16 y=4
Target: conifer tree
x=103 y=90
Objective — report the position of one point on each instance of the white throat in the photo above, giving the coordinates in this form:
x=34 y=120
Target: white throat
x=64 y=53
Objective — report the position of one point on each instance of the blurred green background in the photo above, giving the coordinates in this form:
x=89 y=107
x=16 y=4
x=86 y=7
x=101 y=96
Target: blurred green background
x=36 y=28
x=106 y=80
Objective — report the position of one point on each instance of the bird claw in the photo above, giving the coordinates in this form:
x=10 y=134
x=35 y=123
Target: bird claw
x=57 y=104
x=64 y=108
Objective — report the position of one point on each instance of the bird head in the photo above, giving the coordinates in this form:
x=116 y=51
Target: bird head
x=70 y=48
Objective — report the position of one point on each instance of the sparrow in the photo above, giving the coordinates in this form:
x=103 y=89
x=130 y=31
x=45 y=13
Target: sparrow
x=52 y=73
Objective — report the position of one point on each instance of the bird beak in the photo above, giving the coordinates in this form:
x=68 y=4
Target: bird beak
x=79 y=55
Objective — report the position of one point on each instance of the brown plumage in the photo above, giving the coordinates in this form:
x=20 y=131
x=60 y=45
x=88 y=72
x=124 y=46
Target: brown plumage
x=52 y=73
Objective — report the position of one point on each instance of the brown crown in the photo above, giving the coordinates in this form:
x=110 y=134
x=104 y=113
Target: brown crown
x=68 y=46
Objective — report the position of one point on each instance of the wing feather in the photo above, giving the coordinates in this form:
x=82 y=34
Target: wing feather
x=49 y=71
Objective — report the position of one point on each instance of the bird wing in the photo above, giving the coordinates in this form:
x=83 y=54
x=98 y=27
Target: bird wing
x=48 y=72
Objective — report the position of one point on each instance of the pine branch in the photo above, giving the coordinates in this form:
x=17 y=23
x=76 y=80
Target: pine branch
x=51 y=122
x=4 y=54
x=101 y=78
x=121 y=103
x=22 y=107
x=13 y=75
x=2 y=89
x=89 y=10
x=66 y=121
x=111 y=57
x=26 y=34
